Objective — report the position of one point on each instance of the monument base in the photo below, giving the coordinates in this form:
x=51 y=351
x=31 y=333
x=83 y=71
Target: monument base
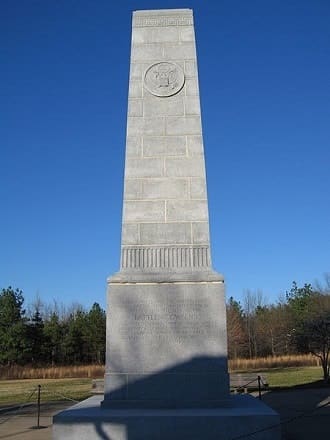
x=245 y=416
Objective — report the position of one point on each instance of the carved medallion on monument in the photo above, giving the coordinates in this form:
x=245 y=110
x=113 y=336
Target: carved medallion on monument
x=164 y=79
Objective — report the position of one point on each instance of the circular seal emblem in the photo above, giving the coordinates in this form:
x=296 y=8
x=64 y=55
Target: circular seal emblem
x=164 y=79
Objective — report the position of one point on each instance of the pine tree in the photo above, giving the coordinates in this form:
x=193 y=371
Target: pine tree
x=14 y=345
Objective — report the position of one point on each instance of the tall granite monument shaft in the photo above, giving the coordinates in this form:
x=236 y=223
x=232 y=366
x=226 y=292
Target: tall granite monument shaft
x=166 y=334
x=165 y=217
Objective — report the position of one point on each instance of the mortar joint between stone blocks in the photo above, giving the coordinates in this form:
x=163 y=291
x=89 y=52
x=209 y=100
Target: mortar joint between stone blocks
x=139 y=232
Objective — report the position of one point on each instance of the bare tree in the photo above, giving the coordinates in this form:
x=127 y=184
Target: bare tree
x=315 y=337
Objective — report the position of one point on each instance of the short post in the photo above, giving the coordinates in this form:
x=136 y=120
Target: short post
x=37 y=426
x=259 y=386
x=39 y=392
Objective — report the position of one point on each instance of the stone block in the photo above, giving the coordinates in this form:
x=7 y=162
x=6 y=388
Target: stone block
x=155 y=106
x=165 y=233
x=130 y=234
x=191 y=105
x=133 y=189
x=147 y=52
x=195 y=146
x=142 y=211
x=118 y=385
x=144 y=167
x=134 y=127
x=198 y=189
x=135 y=107
x=133 y=146
x=183 y=125
x=154 y=126
x=187 y=33
x=165 y=188
x=180 y=51
x=200 y=233
x=164 y=146
x=137 y=71
x=192 y=87
x=184 y=167
x=154 y=146
x=155 y=35
x=145 y=126
x=135 y=89
x=190 y=69
x=176 y=145
x=186 y=210
x=189 y=388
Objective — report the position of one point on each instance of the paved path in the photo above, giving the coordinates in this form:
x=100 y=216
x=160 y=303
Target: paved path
x=19 y=424
x=299 y=406
x=302 y=408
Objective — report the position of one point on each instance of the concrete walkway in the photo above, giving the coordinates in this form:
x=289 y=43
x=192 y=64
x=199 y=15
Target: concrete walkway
x=300 y=407
x=20 y=424
x=301 y=411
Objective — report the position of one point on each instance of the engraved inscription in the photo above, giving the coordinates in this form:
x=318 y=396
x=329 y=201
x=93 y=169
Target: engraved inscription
x=164 y=79
x=162 y=21
x=169 y=322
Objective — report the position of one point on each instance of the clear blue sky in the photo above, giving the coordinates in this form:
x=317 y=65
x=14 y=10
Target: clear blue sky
x=264 y=69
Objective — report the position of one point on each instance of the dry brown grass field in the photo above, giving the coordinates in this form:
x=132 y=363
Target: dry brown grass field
x=297 y=360
x=60 y=372
x=97 y=371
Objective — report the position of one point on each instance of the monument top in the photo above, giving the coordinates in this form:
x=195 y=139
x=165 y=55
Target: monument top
x=162 y=12
x=163 y=17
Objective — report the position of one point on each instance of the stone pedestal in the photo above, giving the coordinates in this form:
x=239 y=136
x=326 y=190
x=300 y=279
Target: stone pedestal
x=243 y=416
x=166 y=346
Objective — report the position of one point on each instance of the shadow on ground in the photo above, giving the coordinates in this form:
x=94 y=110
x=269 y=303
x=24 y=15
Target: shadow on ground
x=304 y=410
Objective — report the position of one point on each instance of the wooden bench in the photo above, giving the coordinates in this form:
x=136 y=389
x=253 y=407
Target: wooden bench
x=242 y=382
x=97 y=386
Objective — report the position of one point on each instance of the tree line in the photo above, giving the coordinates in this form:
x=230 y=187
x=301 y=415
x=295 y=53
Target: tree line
x=297 y=323
x=49 y=335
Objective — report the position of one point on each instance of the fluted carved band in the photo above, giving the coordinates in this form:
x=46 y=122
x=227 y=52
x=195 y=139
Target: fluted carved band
x=170 y=257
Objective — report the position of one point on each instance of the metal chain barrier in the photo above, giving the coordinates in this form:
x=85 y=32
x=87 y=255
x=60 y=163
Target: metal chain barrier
x=26 y=402
x=260 y=382
x=60 y=395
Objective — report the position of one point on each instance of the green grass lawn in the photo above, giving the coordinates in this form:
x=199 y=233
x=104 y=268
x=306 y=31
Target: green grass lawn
x=294 y=376
x=19 y=391
x=289 y=377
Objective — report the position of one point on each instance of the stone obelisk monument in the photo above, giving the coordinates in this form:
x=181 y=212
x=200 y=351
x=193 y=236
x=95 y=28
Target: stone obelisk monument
x=166 y=309
x=166 y=365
